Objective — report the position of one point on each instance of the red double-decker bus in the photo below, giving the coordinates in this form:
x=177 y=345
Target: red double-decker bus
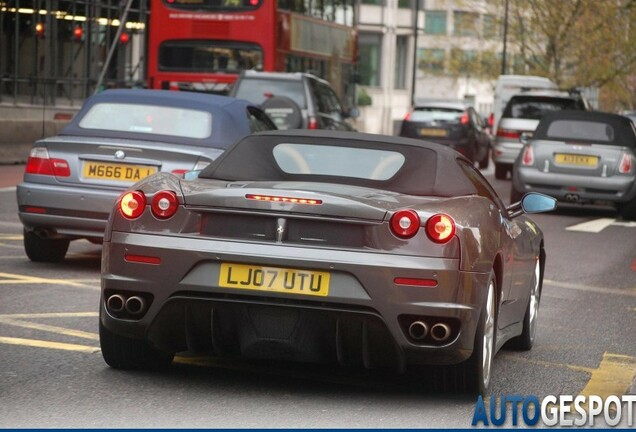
x=202 y=45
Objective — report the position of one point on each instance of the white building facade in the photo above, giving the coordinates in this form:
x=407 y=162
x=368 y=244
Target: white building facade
x=454 y=56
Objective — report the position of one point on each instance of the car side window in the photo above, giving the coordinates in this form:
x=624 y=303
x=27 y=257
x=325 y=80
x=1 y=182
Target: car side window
x=259 y=121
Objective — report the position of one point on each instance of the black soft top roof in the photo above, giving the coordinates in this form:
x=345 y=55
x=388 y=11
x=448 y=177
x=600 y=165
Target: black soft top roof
x=624 y=130
x=429 y=168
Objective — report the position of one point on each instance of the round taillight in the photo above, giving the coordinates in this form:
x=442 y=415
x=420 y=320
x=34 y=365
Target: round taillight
x=132 y=204
x=405 y=223
x=440 y=228
x=164 y=204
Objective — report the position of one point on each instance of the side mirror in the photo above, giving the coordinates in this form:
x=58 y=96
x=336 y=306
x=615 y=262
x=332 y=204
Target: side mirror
x=532 y=202
x=524 y=138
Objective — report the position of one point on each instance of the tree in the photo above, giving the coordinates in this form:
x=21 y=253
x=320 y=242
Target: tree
x=586 y=43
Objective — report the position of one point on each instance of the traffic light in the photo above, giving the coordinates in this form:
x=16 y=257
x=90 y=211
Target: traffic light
x=78 y=33
x=124 y=38
x=39 y=30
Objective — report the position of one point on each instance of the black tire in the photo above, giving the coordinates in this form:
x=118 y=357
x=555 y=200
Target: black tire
x=628 y=210
x=40 y=249
x=120 y=352
x=485 y=161
x=475 y=374
x=525 y=340
x=501 y=171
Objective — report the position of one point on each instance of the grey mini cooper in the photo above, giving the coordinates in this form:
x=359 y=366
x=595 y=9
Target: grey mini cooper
x=580 y=157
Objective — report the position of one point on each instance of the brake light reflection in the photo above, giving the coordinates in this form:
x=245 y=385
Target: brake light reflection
x=292 y=200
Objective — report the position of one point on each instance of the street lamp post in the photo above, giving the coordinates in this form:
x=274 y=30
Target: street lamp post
x=505 y=38
x=416 y=8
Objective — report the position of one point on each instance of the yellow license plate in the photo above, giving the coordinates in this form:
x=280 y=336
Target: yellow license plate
x=577 y=160
x=433 y=132
x=274 y=279
x=111 y=171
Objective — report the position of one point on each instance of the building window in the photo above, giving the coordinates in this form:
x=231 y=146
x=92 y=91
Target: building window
x=465 y=23
x=405 y=4
x=373 y=2
x=490 y=27
x=431 y=60
x=400 y=61
x=435 y=23
x=370 y=47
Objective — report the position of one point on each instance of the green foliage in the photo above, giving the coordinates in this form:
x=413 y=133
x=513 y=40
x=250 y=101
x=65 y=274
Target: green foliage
x=364 y=99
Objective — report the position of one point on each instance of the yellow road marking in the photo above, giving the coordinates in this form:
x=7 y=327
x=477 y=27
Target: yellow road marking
x=614 y=376
x=52 y=315
x=49 y=328
x=10 y=237
x=46 y=344
x=547 y=363
x=11 y=246
x=629 y=292
x=12 y=278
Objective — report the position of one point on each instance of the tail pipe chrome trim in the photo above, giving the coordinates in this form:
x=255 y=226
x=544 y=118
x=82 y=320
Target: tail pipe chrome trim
x=135 y=305
x=418 y=330
x=115 y=303
x=440 y=332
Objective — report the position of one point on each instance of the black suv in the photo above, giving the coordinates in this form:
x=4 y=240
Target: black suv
x=295 y=100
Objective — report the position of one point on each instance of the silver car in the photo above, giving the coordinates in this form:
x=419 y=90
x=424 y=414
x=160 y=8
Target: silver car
x=283 y=248
x=117 y=138
x=521 y=115
x=580 y=157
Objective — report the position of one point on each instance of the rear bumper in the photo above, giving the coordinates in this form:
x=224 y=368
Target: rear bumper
x=63 y=210
x=505 y=151
x=567 y=187
x=364 y=317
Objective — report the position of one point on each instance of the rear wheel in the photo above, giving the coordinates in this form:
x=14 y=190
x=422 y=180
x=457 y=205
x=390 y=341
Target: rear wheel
x=121 y=352
x=628 y=210
x=526 y=339
x=474 y=375
x=40 y=249
x=484 y=162
x=501 y=171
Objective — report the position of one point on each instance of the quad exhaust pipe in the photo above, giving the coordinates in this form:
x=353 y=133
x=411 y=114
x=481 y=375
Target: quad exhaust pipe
x=116 y=303
x=572 y=197
x=134 y=305
x=439 y=332
x=418 y=330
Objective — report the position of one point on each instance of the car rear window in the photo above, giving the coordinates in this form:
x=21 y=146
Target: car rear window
x=533 y=107
x=148 y=119
x=581 y=131
x=445 y=115
x=371 y=164
x=258 y=90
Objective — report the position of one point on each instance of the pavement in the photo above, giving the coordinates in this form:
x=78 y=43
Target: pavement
x=11 y=175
